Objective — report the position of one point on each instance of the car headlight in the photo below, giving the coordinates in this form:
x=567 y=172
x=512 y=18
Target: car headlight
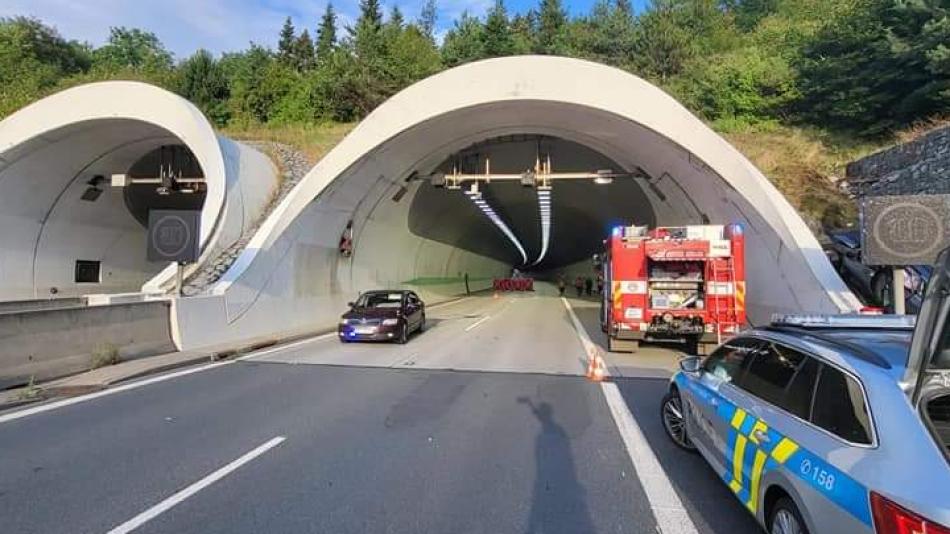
x=390 y=322
x=344 y=322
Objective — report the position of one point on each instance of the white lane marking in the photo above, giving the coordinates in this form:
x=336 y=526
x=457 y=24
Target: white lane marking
x=279 y=348
x=177 y=498
x=671 y=516
x=476 y=323
x=590 y=348
x=111 y=391
x=667 y=507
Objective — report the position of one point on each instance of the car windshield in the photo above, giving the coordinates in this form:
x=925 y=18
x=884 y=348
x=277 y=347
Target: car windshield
x=379 y=300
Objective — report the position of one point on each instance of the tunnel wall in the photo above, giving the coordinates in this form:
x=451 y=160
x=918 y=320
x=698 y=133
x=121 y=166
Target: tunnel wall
x=52 y=148
x=694 y=176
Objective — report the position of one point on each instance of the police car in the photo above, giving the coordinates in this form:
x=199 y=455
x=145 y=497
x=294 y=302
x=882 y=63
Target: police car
x=828 y=424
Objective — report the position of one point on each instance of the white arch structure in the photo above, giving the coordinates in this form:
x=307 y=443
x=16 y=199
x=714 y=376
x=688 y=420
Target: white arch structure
x=50 y=149
x=291 y=277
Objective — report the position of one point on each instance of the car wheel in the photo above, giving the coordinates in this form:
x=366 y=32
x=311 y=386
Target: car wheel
x=786 y=518
x=403 y=335
x=674 y=420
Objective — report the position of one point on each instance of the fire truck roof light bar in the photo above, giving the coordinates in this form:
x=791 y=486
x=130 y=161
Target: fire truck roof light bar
x=486 y=209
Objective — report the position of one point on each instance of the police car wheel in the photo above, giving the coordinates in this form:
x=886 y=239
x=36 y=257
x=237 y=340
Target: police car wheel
x=674 y=422
x=786 y=519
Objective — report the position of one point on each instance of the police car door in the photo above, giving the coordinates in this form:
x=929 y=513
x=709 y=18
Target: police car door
x=713 y=401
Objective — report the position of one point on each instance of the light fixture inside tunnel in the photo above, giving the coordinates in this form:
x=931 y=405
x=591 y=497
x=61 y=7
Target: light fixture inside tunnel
x=476 y=197
x=544 y=209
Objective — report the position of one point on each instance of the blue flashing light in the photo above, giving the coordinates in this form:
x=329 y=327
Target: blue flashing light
x=617 y=231
x=737 y=229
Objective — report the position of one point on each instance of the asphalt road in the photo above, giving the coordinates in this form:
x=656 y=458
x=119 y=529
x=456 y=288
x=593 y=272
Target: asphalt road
x=481 y=424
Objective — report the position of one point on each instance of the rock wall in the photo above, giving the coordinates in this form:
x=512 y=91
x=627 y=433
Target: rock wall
x=919 y=167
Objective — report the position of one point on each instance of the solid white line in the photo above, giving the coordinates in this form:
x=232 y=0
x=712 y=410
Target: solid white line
x=476 y=323
x=279 y=348
x=111 y=391
x=671 y=516
x=177 y=498
x=590 y=348
x=667 y=507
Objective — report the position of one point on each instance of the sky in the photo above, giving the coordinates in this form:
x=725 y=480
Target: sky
x=226 y=25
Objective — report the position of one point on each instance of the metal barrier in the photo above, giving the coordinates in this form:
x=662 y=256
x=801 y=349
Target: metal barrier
x=513 y=284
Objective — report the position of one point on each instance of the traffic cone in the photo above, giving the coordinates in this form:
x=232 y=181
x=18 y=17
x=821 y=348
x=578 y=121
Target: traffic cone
x=597 y=369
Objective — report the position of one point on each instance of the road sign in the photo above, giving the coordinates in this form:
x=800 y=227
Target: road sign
x=904 y=230
x=173 y=235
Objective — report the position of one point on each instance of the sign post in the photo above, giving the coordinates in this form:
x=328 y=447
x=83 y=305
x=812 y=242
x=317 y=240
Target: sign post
x=903 y=230
x=173 y=237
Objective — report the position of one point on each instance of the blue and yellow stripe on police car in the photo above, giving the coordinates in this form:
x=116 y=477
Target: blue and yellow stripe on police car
x=747 y=454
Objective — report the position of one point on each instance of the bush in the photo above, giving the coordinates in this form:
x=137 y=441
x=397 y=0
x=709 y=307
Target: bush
x=105 y=354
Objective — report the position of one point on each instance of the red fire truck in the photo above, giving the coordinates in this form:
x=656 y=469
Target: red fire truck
x=682 y=284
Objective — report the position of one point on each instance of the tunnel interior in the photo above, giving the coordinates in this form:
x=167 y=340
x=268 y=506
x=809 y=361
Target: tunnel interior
x=582 y=212
x=66 y=230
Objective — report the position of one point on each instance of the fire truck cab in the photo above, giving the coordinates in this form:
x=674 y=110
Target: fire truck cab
x=681 y=284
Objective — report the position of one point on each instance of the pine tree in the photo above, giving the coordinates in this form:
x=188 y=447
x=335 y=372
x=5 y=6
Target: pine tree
x=365 y=37
x=285 y=45
x=396 y=19
x=326 y=34
x=428 y=18
x=552 y=20
x=496 y=39
x=303 y=52
x=463 y=43
x=624 y=9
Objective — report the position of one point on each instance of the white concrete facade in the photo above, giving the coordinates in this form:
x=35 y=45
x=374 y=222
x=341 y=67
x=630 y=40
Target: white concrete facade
x=291 y=277
x=50 y=149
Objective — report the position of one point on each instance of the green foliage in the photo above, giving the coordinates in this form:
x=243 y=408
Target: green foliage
x=882 y=65
x=326 y=34
x=132 y=49
x=465 y=42
x=861 y=66
x=203 y=82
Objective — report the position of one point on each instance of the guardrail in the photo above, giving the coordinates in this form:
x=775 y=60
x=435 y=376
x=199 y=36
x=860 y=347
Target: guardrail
x=18 y=306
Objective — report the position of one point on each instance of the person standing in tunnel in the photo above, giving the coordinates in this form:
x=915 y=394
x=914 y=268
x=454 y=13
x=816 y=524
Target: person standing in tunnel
x=560 y=284
x=589 y=286
x=579 y=286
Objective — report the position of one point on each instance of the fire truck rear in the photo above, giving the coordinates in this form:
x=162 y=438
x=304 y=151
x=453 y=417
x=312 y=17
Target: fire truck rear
x=673 y=284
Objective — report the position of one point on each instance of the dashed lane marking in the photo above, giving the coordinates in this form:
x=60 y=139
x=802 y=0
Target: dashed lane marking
x=179 y=497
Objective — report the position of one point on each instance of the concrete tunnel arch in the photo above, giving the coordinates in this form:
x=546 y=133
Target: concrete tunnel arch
x=48 y=151
x=290 y=278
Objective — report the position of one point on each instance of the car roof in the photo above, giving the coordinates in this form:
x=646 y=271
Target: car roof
x=880 y=349
x=378 y=291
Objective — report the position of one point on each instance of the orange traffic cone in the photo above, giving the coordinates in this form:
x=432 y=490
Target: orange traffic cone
x=597 y=369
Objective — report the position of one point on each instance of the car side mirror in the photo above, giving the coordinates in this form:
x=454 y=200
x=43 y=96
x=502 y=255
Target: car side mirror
x=691 y=364
x=351 y=304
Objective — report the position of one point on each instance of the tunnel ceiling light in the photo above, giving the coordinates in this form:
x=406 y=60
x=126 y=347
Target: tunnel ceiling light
x=481 y=204
x=544 y=211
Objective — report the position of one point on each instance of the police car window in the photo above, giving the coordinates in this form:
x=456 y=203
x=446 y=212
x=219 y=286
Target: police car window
x=771 y=371
x=728 y=361
x=839 y=406
x=798 y=396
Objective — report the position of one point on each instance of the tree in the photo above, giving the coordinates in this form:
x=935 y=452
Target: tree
x=464 y=42
x=326 y=34
x=879 y=67
x=396 y=19
x=365 y=37
x=132 y=49
x=303 y=52
x=34 y=58
x=428 y=17
x=552 y=20
x=202 y=81
x=662 y=45
x=496 y=38
x=285 y=45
